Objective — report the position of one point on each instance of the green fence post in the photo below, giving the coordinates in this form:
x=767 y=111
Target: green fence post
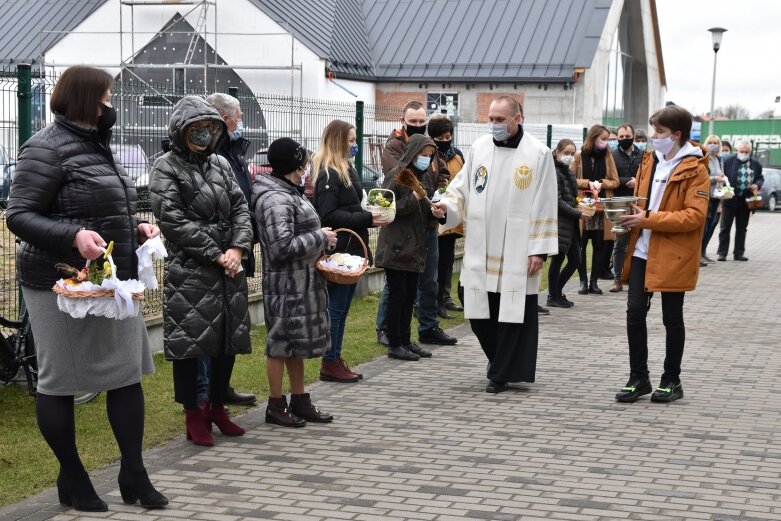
x=549 y=135
x=359 y=138
x=585 y=133
x=25 y=125
x=25 y=100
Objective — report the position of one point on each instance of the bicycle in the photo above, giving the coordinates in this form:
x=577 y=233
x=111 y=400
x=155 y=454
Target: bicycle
x=17 y=352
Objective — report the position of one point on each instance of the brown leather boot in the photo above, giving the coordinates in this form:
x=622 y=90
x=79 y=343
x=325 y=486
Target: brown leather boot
x=336 y=371
x=196 y=425
x=302 y=406
x=277 y=412
x=220 y=418
x=617 y=286
x=347 y=368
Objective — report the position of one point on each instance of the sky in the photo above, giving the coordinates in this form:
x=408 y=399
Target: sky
x=748 y=70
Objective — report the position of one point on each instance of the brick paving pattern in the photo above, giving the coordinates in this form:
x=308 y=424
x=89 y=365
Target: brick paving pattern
x=423 y=440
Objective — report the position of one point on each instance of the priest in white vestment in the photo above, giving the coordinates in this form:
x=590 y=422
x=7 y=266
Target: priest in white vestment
x=506 y=195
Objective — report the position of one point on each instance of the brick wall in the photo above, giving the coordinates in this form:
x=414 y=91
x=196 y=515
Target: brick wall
x=398 y=99
x=484 y=100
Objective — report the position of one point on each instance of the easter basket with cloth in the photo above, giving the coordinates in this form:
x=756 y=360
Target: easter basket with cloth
x=343 y=268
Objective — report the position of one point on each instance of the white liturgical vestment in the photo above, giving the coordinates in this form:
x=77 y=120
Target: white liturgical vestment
x=509 y=201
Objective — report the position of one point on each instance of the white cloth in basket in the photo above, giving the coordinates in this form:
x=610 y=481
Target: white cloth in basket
x=120 y=307
x=147 y=253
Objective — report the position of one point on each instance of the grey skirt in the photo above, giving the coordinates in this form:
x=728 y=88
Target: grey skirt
x=91 y=354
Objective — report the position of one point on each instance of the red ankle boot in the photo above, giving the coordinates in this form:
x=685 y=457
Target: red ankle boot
x=220 y=418
x=196 y=424
x=336 y=371
x=347 y=368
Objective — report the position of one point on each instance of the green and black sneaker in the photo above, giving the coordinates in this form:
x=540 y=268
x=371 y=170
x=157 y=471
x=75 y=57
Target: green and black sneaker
x=633 y=390
x=667 y=392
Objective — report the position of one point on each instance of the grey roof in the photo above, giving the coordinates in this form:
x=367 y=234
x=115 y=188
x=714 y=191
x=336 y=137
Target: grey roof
x=387 y=40
x=22 y=26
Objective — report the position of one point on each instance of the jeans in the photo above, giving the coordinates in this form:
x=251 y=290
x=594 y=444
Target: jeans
x=186 y=379
x=340 y=296
x=204 y=366
x=447 y=254
x=711 y=221
x=638 y=304
x=619 y=254
x=739 y=214
x=401 y=298
x=427 y=285
x=382 y=308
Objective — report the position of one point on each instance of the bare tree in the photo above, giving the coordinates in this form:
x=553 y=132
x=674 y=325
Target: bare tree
x=735 y=111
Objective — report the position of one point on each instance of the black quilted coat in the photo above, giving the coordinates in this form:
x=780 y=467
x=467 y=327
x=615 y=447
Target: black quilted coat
x=295 y=297
x=201 y=212
x=67 y=179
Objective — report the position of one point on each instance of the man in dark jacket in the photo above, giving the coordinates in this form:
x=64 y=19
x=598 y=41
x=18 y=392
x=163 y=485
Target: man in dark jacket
x=234 y=150
x=745 y=176
x=627 y=158
x=414 y=122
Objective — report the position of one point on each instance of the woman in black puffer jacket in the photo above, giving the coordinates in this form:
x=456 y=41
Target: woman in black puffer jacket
x=205 y=220
x=69 y=198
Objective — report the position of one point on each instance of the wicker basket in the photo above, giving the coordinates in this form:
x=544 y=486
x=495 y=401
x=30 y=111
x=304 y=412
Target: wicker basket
x=755 y=203
x=389 y=212
x=336 y=276
x=586 y=210
x=90 y=294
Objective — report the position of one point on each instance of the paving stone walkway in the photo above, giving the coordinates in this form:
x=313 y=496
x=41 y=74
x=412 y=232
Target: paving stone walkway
x=424 y=441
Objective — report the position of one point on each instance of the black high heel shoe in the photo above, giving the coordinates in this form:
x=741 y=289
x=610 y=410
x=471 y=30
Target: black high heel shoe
x=76 y=490
x=135 y=486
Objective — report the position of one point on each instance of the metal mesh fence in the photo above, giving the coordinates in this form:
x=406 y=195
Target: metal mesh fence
x=143 y=112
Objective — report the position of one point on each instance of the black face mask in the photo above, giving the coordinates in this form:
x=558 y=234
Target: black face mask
x=444 y=146
x=107 y=118
x=412 y=129
x=626 y=143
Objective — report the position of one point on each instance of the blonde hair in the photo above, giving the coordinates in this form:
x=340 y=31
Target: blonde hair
x=712 y=137
x=332 y=153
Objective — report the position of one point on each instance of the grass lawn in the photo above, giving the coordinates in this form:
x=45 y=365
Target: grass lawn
x=27 y=465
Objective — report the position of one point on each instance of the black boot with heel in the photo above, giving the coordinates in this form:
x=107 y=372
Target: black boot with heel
x=76 y=490
x=135 y=486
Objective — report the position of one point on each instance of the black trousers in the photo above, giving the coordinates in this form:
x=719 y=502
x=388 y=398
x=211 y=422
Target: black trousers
x=598 y=245
x=402 y=290
x=186 y=380
x=511 y=348
x=740 y=214
x=711 y=220
x=447 y=254
x=558 y=277
x=638 y=304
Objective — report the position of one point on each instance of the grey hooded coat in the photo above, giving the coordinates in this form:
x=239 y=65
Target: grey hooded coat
x=295 y=295
x=201 y=212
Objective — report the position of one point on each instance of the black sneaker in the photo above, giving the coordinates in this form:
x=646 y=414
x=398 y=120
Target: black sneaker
x=633 y=390
x=559 y=302
x=436 y=336
x=382 y=337
x=415 y=348
x=495 y=387
x=667 y=392
x=542 y=311
x=402 y=353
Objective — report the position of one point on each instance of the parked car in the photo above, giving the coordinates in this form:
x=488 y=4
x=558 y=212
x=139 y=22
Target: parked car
x=7 y=166
x=133 y=159
x=259 y=164
x=771 y=188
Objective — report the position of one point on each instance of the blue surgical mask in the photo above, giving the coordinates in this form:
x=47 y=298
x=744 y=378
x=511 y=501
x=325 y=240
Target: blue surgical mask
x=713 y=149
x=422 y=162
x=236 y=134
x=353 y=149
x=641 y=145
x=612 y=144
x=499 y=131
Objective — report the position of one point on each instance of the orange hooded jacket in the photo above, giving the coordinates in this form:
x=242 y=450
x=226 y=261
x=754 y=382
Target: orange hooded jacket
x=677 y=227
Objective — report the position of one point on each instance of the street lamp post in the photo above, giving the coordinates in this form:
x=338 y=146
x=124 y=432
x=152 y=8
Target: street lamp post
x=716 y=33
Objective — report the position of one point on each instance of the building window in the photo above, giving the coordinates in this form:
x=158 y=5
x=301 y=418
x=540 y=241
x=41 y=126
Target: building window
x=442 y=103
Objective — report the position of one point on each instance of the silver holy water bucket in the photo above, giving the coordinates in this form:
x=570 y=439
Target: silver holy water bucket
x=615 y=207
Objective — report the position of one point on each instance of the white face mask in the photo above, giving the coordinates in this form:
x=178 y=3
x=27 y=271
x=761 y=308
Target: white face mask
x=664 y=145
x=305 y=174
x=743 y=156
x=567 y=160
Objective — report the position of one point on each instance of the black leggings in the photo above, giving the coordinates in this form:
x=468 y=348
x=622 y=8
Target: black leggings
x=402 y=290
x=598 y=245
x=186 y=380
x=558 y=277
x=638 y=304
x=125 y=408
